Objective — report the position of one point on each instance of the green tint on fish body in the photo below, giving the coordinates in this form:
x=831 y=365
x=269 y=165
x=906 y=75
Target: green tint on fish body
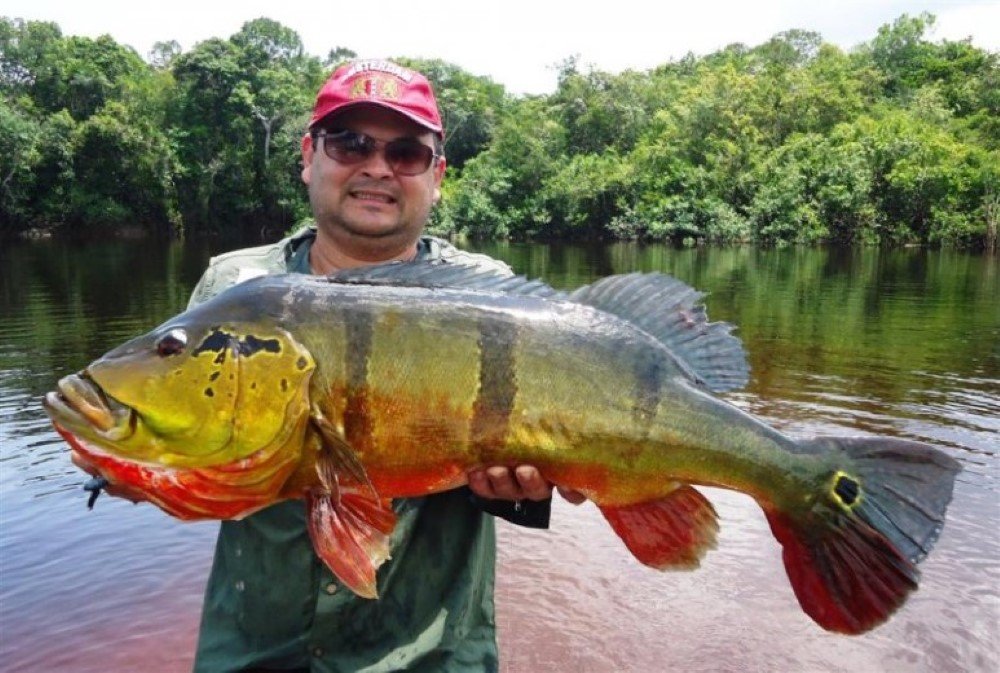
x=416 y=373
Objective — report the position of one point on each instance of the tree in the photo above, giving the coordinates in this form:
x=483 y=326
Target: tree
x=82 y=74
x=235 y=96
x=162 y=55
x=123 y=171
x=270 y=97
x=25 y=49
x=900 y=52
x=265 y=41
x=337 y=56
x=20 y=143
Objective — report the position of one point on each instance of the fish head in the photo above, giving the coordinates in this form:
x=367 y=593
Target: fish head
x=195 y=392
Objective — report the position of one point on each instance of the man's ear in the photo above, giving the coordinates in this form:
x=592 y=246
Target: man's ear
x=307 y=158
x=438 y=176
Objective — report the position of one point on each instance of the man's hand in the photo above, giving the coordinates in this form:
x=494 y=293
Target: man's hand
x=117 y=490
x=521 y=483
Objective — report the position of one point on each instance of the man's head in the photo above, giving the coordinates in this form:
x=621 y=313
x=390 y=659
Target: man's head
x=373 y=160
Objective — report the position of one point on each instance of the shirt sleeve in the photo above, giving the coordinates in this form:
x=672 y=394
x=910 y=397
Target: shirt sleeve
x=527 y=513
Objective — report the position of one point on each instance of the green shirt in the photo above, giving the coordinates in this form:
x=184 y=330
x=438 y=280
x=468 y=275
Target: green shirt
x=271 y=603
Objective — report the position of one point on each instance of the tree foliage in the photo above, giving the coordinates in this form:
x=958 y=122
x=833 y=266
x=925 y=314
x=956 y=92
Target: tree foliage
x=789 y=141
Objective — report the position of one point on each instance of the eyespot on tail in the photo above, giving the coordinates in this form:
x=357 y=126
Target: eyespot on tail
x=852 y=557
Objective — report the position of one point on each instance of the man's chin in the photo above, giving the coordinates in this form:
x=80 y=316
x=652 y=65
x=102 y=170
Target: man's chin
x=374 y=229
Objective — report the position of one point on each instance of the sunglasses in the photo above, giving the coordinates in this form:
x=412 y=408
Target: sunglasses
x=405 y=156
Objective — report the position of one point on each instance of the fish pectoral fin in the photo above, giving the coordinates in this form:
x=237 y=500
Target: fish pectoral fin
x=350 y=532
x=347 y=520
x=338 y=457
x=673 y=532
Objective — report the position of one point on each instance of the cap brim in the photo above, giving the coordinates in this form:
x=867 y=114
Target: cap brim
x=383 y=104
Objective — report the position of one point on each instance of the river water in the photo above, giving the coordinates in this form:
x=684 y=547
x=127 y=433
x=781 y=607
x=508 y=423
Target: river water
x=901 y=343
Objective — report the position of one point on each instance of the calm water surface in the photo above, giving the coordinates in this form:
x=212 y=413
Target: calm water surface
x=900 y=343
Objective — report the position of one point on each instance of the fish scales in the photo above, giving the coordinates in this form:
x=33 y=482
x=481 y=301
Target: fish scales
x=395 y=381
x=579 y=379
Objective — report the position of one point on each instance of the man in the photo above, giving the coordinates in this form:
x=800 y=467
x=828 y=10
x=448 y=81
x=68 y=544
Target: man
x=373 y=163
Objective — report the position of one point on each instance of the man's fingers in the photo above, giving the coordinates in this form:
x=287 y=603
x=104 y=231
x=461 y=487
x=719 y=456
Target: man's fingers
x=531 y=484
x=524 y=482
x=480 y=485
x=571 y=496
x=502 y=483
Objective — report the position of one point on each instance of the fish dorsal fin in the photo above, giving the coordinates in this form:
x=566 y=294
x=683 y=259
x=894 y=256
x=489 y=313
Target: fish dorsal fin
x=668 y=310
x=441 y=274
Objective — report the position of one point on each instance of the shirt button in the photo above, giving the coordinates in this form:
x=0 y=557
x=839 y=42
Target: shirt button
x=330 y=588
x=317 y=652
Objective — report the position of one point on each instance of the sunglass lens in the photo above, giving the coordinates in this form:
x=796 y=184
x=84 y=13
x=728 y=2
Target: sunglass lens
x=408 y=157
x=348 y=147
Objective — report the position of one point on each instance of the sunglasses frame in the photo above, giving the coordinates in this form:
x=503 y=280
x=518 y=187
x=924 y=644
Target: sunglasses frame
x=371 y=146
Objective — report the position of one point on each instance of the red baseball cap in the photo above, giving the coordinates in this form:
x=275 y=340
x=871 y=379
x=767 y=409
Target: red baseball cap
x=382 y=83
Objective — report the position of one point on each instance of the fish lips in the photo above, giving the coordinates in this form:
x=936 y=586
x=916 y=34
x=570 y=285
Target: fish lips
x=81 y=405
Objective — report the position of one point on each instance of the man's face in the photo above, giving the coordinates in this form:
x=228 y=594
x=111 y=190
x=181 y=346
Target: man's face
x=360 y=203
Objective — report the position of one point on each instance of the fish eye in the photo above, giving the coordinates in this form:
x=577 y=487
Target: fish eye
x=171 y=343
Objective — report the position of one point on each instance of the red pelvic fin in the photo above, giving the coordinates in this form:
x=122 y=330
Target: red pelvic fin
x=846 y=575
x=673 y=532
x=350 y=532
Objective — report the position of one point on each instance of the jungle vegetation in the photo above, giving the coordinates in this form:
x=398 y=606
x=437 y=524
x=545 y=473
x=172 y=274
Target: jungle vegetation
x=791 y=141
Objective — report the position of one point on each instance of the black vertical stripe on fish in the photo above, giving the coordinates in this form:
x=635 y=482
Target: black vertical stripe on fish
x=497 y=386
x=358 y=426
x=648 y=384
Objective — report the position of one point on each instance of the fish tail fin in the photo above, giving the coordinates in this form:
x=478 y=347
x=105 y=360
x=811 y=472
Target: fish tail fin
x=673 y=532
x=851 y=557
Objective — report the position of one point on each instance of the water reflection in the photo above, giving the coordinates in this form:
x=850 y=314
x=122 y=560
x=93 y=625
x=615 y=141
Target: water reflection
x=903 y=343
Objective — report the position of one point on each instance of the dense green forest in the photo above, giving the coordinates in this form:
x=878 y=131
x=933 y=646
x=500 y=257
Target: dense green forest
x=793 y=140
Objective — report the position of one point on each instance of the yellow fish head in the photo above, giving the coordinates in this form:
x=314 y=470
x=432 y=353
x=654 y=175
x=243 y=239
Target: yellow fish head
x=191 y=393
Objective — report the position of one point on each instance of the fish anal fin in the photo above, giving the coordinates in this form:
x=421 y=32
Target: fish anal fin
x=350 y=533
x=848 y=578
x=673 y=532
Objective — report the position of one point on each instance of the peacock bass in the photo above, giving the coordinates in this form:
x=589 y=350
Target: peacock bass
x=396 y=380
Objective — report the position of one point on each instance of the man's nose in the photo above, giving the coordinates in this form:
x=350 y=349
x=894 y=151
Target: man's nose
x=376 y=165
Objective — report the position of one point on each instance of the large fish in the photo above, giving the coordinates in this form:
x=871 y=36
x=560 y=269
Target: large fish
x=395 y=381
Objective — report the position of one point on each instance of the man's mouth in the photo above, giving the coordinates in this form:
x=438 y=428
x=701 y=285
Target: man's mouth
x=377 y=197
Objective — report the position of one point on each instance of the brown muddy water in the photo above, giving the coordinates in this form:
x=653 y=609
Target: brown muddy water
x=900 y=343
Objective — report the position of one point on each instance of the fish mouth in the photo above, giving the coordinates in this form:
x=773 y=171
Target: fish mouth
x=80 y=404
